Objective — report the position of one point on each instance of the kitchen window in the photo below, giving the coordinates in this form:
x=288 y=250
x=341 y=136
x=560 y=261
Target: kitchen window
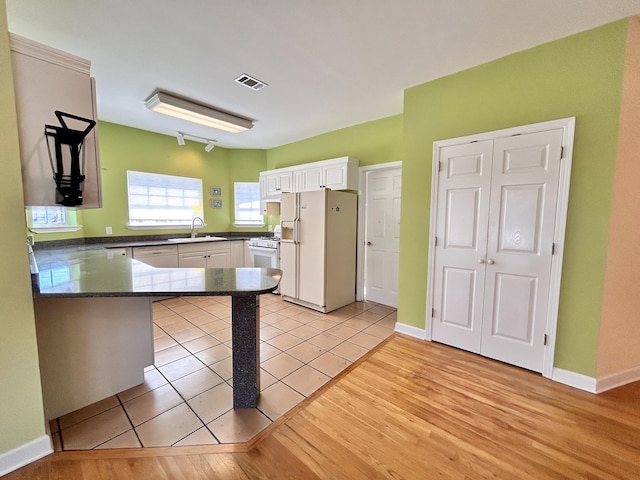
x=247 y=205
x=51 y=219
x=162 y=201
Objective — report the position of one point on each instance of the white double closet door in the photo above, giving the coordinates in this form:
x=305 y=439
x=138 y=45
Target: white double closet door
x=495 y=220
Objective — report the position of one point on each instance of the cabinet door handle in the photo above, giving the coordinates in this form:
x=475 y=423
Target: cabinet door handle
x=369 y=244
x=481 y=261
x=490 y=261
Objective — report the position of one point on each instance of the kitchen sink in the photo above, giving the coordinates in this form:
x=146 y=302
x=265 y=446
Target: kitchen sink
x=207 y=238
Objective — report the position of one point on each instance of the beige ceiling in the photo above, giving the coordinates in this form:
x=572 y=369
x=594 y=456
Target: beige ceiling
x=328 y=64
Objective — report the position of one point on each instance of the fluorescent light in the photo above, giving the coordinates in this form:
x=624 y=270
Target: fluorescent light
x=209 y=146
x=180 y=138
x=168 y=104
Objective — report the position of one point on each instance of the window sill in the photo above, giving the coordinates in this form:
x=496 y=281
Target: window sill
x=56 y=229
x=249 y=225
x=163 y=227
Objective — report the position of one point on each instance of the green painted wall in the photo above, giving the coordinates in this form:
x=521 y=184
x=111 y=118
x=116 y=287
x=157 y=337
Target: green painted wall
x=21 y=411
x=577 y=76
x=371 y=143
x=124 y=148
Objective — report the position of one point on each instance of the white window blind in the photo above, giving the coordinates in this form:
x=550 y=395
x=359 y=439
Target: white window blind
x=157 y=200
x=42 y=219
x=48 y=216
x=247 y=204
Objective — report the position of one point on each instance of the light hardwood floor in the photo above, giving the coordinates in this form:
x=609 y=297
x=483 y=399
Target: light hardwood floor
x=408 y=410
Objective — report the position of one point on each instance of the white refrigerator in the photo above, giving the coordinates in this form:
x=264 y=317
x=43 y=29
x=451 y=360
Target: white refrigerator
x=318 y=248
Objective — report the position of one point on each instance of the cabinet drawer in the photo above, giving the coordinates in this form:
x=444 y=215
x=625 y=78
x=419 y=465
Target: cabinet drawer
x=140 y=252
x=203 y=246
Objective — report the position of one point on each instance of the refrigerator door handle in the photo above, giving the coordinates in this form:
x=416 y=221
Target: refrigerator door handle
x=296 y=221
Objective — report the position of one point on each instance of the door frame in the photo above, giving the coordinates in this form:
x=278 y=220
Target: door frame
x=568 y=130
x=362 y=199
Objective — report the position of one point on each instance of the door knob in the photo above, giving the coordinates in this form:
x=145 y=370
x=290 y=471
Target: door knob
x=481 y=261
x=369 y=244
x=490 y=261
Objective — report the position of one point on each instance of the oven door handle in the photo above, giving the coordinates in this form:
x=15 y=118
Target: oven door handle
x=263 y=249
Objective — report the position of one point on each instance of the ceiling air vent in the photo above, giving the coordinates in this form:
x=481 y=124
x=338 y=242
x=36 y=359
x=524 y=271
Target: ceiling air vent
x=250 y=82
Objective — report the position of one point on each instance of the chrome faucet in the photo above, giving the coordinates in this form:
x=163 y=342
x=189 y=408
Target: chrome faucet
x=193 y=226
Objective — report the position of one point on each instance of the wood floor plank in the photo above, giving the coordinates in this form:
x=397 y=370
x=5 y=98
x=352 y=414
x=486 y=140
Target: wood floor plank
x=409 y=410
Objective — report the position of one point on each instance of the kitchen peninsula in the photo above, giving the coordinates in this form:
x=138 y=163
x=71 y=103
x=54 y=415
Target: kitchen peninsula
x=95 y=329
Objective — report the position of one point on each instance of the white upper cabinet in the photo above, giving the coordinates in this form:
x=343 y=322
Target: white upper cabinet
x=335 y=174
x=47 y=80
x=277 y=182
x=312 y=178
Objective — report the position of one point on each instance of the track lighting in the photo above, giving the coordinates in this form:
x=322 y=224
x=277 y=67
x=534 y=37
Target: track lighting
x=210 y=144
x=169 y=104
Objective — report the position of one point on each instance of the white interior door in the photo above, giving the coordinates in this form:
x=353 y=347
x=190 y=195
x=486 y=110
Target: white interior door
x=382 y=235
x=519 y=249
x=495 y=220
x=464 y=184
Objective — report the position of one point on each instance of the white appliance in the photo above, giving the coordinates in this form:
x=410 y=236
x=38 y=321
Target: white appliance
x=318 y=248
x=265 y=252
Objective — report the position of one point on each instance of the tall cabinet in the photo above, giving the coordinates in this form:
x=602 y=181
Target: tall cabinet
x=46 y=80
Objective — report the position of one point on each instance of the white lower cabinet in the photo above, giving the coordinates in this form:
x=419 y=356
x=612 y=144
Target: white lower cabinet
x=217 y=254
x=205 y=255
x=237 y=253
x=162 y=256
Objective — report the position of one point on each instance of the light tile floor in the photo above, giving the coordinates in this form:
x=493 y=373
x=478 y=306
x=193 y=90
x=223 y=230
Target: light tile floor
x=186 y=398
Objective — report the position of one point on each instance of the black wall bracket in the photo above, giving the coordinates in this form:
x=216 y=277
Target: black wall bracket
x=68 y=171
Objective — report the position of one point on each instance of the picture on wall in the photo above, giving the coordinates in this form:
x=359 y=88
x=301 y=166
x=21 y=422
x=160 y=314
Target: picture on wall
x=216 y=191
x=216 y=203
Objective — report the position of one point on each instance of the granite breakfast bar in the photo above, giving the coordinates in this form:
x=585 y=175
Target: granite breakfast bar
x=95 y=329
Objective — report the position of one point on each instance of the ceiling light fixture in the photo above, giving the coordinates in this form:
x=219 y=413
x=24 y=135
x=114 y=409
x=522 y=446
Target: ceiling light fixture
x=180 y=138
x=169 y=104
x=209 y=146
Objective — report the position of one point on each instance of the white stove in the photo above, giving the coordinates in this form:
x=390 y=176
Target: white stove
x=265 y=251
x=265 y=242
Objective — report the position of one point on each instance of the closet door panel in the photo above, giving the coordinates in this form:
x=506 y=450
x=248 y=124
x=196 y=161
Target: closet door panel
x=461 y=231
x=524 y=188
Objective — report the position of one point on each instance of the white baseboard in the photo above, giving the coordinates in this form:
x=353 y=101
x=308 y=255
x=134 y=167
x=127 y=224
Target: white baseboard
x=576 y=380
x=411 y=331
x=25 y=454
x=596 y=385
x=614 y=380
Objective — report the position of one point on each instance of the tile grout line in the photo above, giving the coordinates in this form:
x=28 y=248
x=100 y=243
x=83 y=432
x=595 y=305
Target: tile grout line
x=135 y=432
x=184 y=400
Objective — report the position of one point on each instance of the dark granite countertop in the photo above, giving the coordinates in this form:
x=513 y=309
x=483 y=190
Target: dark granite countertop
x=138 y=240
x=94 y=271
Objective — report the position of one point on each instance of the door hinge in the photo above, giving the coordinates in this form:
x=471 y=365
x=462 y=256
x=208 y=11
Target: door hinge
x=546 y=337
x=439 y=165
x=435 y=241
x=561 y=152
x=433 y=312
x=553 y=249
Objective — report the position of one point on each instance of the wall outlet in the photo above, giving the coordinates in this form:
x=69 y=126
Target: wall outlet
x=108 y=230
x=271 y=228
